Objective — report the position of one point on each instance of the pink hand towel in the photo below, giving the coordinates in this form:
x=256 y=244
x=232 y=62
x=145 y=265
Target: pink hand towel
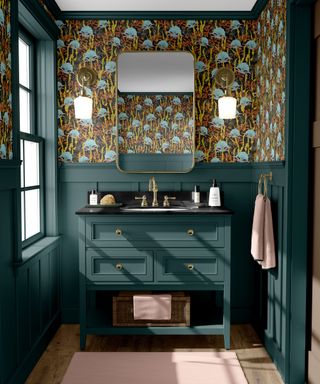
x=152 y=307
x=257 y=237
x=269 y=257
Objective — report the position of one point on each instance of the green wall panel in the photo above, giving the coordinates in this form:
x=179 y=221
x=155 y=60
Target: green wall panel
x=272 y=316
x=25 y=318
x=8 y=320
x=45 y=287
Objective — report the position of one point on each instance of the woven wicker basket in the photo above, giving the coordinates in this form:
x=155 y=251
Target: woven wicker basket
x=122 y=311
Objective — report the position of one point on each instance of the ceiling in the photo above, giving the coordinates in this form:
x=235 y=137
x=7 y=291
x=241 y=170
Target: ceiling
x=153 y=6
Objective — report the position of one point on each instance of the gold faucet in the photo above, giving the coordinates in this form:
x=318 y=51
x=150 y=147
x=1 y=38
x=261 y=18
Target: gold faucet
x=154 y=188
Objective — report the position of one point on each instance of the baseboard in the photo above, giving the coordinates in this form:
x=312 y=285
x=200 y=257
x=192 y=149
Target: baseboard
x=35 y=353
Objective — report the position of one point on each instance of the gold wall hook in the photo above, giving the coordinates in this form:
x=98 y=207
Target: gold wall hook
x=264 y=177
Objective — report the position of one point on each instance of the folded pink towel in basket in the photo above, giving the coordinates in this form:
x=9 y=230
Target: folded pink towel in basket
x=152 y=307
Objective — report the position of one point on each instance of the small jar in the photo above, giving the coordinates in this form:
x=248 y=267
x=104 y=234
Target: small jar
x=196 y=194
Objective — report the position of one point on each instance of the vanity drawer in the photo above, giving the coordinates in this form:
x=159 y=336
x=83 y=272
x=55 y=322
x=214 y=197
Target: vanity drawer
x=128 y=265
x=190 y=265
x=169 y=232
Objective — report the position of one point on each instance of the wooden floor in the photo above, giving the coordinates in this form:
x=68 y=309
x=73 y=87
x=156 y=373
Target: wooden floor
x=254 y=359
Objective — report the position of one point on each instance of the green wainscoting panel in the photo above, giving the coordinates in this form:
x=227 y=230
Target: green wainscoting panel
x=8 y=320
x=37 y=298
x=237 y=196
x=29 y=297
x=272 y=316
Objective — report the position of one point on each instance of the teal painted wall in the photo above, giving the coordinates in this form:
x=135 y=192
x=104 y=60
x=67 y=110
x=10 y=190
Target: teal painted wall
x=29 y=292
x=272 y=316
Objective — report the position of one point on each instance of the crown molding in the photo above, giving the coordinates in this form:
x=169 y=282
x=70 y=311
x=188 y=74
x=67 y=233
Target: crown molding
x=54 y=8
x=157 y=15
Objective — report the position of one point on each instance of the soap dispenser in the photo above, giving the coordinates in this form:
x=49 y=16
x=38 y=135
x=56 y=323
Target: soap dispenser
x=93 y=197
x=214 y=195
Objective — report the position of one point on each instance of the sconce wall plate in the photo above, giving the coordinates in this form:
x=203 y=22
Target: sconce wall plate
x=86 y=77
x=225 y=77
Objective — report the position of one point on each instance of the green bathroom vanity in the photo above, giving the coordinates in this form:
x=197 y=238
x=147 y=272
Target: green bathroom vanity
x=152 y=250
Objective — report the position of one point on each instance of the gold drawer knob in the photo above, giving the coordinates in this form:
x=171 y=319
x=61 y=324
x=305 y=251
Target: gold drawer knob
x=190 y=267
x=119 y=266
x=118 y=232
x=190 y=232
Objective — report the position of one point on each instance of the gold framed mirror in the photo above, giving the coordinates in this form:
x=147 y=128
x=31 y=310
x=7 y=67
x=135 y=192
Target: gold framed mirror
x=155 y=112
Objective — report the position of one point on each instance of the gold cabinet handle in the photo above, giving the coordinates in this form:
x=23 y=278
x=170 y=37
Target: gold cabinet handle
x=190 y=267
x=119 y=266
x=190 y=232
x=118 y=232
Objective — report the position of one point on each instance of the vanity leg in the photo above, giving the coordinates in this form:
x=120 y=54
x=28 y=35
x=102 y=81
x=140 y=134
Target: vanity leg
x=226 y=315
x=227 y=338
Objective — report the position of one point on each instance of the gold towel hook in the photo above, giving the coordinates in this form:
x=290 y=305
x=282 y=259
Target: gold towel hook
x=265 y=187
x=265 y=177
x=260 y=184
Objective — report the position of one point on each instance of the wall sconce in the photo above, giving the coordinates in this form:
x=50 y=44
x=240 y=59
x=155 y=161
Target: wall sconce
x=83 y=104
x=227 y=105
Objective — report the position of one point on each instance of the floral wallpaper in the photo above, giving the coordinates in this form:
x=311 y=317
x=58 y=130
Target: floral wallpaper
x=155 y=123
x=271 y=81
x=213 y=43
x=254 y=49
x=5 y=82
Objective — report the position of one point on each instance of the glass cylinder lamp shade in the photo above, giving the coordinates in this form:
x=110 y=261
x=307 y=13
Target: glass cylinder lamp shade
x=227 y=107
x=83 y=107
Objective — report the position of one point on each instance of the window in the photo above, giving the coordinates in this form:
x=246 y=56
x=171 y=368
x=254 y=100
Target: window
x=30 y=145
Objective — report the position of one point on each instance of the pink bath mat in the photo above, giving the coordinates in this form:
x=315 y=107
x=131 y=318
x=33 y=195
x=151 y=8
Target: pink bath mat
x=154 y=368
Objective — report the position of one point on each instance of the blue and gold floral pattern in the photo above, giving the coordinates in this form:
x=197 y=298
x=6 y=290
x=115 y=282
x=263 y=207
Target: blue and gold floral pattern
x=155 y=123
x=271 y=83
x=254 y=49
x=214 y=44
x=5 y=82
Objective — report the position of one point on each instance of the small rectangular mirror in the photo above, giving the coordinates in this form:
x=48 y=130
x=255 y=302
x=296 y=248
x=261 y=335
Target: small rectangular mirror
x=155 y=112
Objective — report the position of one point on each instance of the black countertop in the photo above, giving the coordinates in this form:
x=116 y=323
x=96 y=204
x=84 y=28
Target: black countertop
x=126 y=210
x=131 y=207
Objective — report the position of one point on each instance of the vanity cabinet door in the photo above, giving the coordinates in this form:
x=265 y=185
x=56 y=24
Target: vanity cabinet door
x=190 y=265
x=116 y=265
